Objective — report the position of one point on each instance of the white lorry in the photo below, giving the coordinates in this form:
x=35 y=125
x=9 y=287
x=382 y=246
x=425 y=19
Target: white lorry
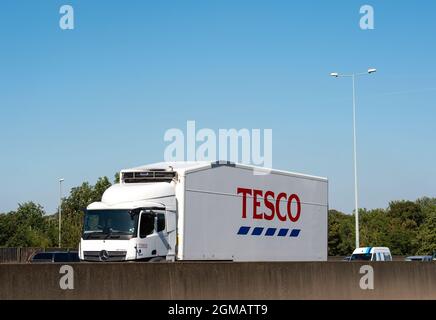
x=208 y=211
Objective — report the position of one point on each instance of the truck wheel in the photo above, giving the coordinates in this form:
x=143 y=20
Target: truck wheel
x=157 y=259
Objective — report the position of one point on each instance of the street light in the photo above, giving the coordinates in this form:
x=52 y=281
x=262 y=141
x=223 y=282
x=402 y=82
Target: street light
x=60 y=209
x=353 y=77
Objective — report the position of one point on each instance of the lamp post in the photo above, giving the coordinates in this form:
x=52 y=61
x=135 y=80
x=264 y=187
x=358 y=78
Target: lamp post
x=60 y=209
x=356 y=202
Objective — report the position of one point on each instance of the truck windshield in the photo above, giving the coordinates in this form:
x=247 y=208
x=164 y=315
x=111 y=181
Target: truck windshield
x=360 y=257
x=110 y=222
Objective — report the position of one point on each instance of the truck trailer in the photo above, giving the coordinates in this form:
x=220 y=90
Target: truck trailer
x=213 y=211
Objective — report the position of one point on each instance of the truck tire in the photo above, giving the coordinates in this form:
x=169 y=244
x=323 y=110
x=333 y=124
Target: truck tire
x=157 y=259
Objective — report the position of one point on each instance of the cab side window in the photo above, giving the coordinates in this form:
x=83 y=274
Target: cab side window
x=160 y=222
x=147 y=225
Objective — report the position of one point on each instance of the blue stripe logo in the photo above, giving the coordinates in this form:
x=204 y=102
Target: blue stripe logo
x=243 y=230
x=283 y=232
x=269 y=232
x=257 y=231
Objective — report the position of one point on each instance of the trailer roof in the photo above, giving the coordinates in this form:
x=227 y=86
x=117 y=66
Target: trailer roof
x=185 y=167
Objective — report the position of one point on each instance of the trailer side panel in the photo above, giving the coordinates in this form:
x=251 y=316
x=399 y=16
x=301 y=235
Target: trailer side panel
x=232 y=214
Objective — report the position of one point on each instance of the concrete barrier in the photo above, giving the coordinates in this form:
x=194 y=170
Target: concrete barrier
x=220 y=280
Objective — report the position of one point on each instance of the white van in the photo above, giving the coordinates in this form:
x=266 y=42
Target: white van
x=371 y=254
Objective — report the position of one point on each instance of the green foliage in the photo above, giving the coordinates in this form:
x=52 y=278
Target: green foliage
x=406 y=227
x=117 y=177
x=373 y=227
x=407 y=212
x=340 y=233
x=405 y=218
x=426 y=238
x=26 y=227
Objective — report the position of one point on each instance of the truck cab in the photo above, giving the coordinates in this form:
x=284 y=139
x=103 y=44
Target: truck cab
x=135 y=220
x=371 y=254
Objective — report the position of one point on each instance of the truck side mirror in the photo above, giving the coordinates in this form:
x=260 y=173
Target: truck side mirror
x=155 y=223
x=134 y=212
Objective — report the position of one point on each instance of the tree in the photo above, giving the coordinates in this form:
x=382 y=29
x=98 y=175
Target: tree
x=373 y=227
x=426 y=237
x=405 y=218
x=406 y=227
x=26 y=227
x=8 y=227
x=100 y=187
x=117 y=177
x=340 y=233
x=427 y=205
x=407 y=212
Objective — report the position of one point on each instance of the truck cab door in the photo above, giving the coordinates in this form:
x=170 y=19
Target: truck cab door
x=162 y=245
x=152 y=237
x=145 y=244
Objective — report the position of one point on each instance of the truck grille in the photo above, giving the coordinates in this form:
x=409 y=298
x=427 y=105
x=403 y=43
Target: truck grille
x=105 y=256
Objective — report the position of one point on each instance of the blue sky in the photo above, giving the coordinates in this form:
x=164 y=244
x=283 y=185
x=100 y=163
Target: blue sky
x=87 y=102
